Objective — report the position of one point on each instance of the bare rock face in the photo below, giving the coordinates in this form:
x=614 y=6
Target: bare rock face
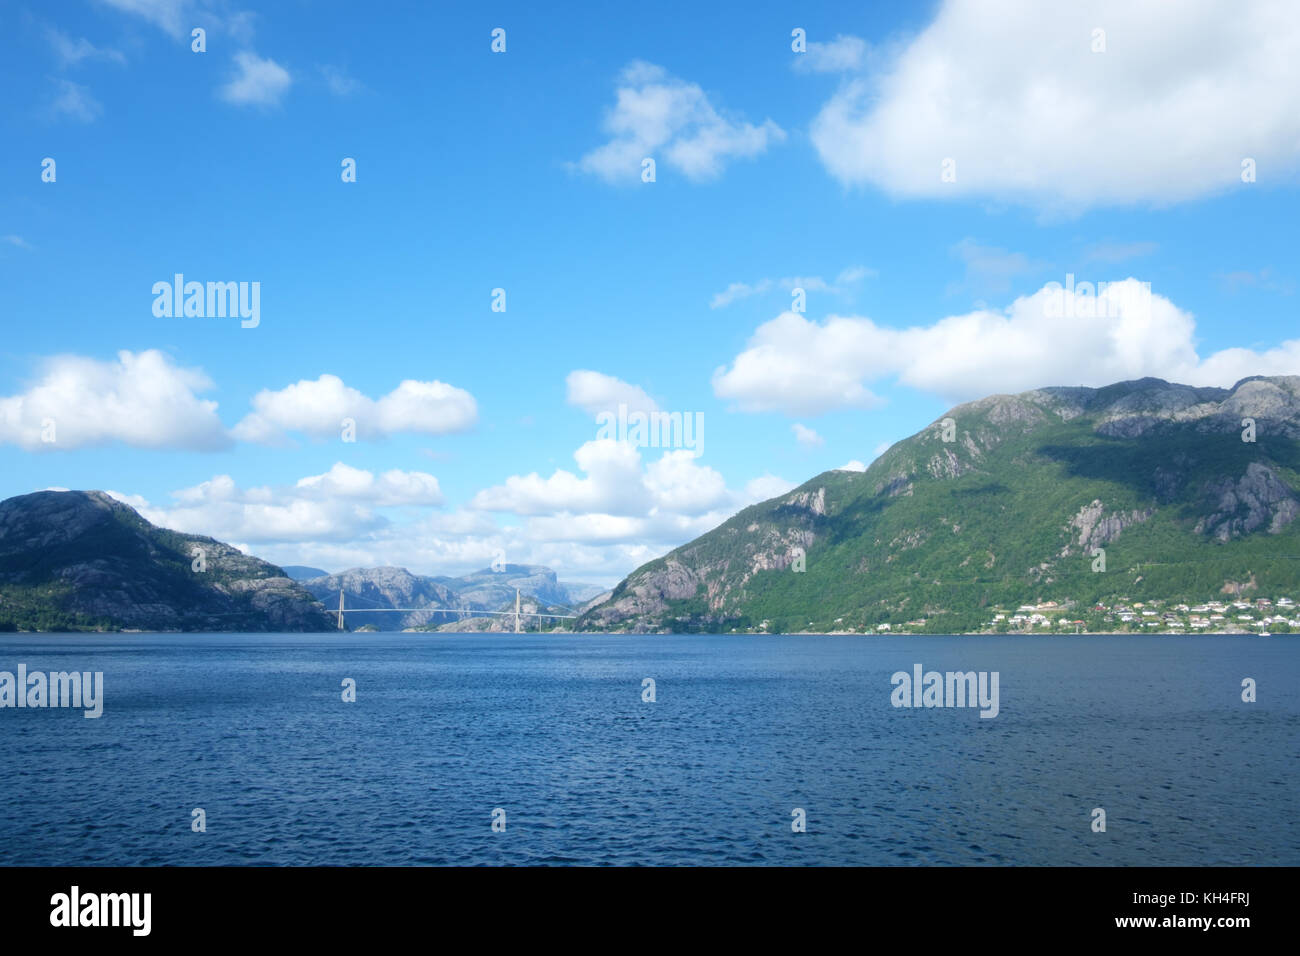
x=81 y=559
x=945 y=464
x=648 y=597
x=1142 y=411
x=1257 y=501
x=1274 y=404
x=1096 y=529
x=895 y=486
x=811 y=501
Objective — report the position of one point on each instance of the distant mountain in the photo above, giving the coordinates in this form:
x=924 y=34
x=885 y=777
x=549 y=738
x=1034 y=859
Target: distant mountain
x=82 y=560
x=490 y=589
x=367 y=589
x=301 y=572
x=1007 y=500
x=486 y=590
x=504 y=619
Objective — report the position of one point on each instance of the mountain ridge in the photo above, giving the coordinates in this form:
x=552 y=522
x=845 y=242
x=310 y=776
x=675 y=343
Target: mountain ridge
x=82 y=560
x=1001 y=500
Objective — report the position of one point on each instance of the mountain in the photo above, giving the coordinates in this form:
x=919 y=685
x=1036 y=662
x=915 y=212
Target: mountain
x=1004 y=501
x=486 y=590
x=504 y=620
x=301 y=572
x=72 y=560
x=377 y=588
x=490 y=589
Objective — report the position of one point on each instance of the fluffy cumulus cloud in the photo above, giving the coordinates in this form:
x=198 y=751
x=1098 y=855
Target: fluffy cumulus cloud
x=1054 y=337
x=257 y=81
x=141 y=399
x=622 y=502
x=318 y=408
x=616 y=516
x=672 y=121
x=595 y=392
x=1015 y=95
x=611 y=484
x=338 y=506
x=393 y=487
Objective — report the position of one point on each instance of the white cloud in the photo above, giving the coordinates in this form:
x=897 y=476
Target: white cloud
x=1118 y=251
x=1262 y=279
x=737 y=291
x=141 y=399
x=178 y=17
x=764 y=488
x=806 y=437
x=853 y=274
x=659 y=116
x=991 y=269
x=318 y=408
x=221 y=509
x=257 y=82
x=849 y=276
x=167 y=15
x=800 y=367
x=612 y=485
x=595 y=392
x=590 y=528
x=71 y=52
x=673 y=491
x=392 y=488
x=843 y=54
x=73 y=99
x=677 y=483
x=853 y=465
x=338 y=81
x=14 y=240
x=338 y=506
x=1014 y=94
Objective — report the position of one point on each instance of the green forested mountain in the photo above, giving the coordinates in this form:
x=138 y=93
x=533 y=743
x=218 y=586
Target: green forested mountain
x=1005 y=501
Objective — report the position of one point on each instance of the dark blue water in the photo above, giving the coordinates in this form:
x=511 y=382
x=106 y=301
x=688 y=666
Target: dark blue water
x=445 y=729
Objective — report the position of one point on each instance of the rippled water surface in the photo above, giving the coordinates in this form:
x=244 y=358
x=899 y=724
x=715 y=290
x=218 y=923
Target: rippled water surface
x=553 y=730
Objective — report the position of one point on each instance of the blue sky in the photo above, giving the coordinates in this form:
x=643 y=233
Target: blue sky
x=521 y=170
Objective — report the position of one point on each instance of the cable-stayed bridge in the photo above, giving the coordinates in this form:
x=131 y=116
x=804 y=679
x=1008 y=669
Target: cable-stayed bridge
x=518 y=614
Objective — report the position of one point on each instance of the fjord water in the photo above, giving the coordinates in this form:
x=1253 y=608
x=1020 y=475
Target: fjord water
x=553 y=729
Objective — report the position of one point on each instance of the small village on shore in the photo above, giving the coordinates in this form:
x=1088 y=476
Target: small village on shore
x=1258 y=616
